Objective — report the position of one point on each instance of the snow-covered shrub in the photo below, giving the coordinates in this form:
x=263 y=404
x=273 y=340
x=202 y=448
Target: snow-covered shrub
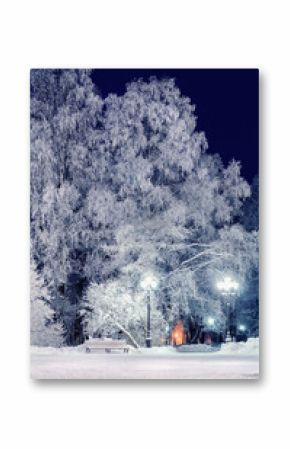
x=114 y=307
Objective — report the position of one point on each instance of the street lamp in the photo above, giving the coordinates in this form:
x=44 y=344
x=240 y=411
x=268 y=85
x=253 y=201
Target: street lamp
x=149 y=283
x=228 y=287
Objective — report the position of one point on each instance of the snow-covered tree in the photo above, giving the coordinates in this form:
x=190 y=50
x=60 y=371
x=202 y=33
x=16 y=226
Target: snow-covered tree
x=44 y=331
x=64 y=122
x=118 y=307
x=250 y=210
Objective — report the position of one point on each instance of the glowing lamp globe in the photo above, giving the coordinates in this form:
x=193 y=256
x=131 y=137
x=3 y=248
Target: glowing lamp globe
x=227 y=285
x=149 y=282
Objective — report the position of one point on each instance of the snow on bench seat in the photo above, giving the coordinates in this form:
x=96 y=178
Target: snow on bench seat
x=106 y=344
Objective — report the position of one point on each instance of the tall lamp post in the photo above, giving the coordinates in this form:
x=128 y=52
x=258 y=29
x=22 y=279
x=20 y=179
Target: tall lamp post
x=229 y=288
x=149 y=283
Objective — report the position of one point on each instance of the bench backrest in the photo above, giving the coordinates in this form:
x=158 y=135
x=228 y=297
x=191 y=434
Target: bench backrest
x=106 y=343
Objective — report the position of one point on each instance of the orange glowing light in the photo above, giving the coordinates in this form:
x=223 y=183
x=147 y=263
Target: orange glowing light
x=178 y=336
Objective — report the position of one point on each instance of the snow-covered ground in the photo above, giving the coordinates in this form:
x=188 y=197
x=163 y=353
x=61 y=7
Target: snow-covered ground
x=233 y=361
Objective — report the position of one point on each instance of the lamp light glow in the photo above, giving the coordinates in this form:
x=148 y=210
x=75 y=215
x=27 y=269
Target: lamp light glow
x=210 y=321
x=149 y=282
x=227 y=285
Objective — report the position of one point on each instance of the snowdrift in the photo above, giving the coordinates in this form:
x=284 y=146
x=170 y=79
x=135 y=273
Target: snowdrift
x=251 y=347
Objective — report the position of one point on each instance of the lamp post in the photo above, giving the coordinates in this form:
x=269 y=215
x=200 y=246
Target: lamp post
x=228 y=287
x=149 y=283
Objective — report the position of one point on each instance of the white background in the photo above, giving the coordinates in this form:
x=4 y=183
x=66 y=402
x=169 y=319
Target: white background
x=144 y=34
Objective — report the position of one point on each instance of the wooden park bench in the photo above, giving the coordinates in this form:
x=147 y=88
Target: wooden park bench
x=106 y=344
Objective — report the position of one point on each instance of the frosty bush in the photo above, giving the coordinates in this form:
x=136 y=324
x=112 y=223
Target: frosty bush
x=114 y=307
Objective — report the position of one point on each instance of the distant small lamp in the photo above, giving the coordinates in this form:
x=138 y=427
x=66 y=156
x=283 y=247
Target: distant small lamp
x=210 y=321
x=242 y=327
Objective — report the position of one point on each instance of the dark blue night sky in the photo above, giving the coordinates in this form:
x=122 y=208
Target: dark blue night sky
x=227 y=106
